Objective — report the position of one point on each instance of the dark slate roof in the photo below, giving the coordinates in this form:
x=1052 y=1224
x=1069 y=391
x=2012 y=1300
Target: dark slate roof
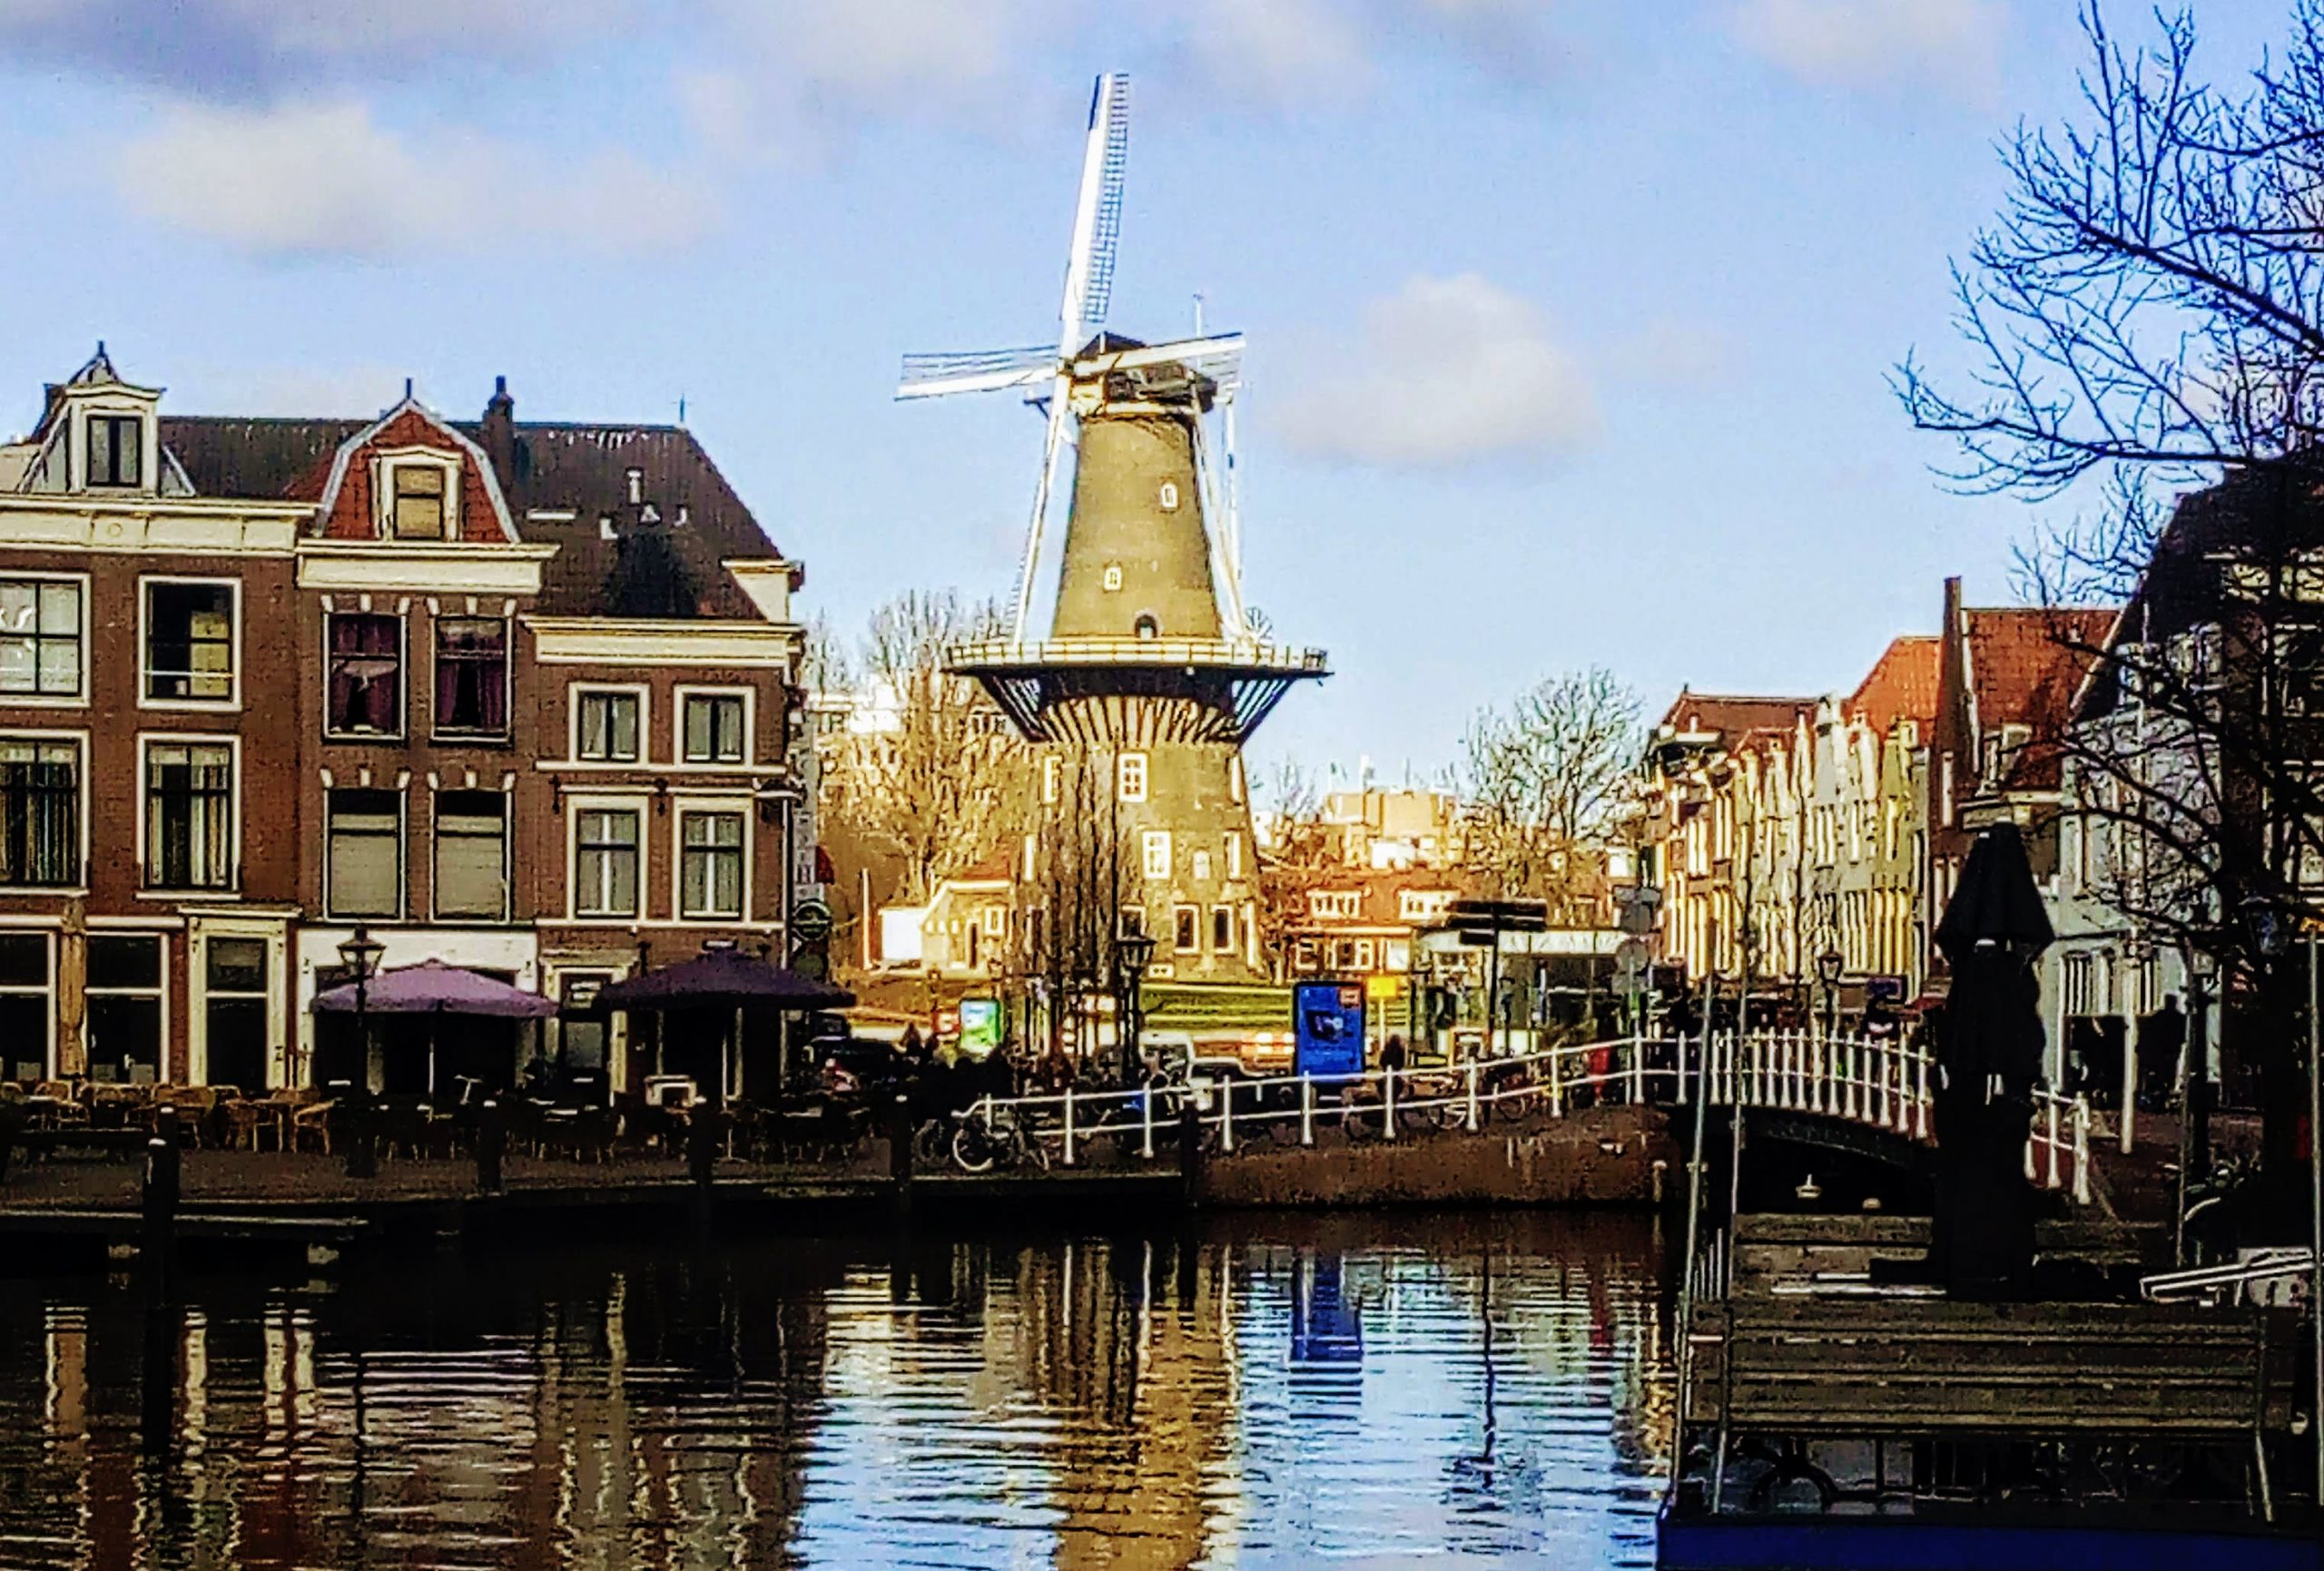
x=656 y=558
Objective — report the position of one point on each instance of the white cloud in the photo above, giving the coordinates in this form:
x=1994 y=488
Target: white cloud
x=1953 y=43
x=1281 y=52
x=1448 y=371
x=328 y=179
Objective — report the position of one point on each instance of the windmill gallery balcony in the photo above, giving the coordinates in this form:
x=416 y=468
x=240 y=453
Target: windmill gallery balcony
x=1059 y=688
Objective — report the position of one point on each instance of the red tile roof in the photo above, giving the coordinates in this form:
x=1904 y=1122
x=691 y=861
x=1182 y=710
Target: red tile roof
x=1901 y=685
x=2027 y=664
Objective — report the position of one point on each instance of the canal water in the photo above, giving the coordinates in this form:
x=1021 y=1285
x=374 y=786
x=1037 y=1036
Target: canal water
x=1361 y=1391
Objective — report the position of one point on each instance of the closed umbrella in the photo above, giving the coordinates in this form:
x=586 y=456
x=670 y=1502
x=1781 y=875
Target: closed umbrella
x=1989 y=1050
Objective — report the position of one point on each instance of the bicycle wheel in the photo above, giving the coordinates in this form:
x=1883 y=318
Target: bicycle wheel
x=1030 y=1152
x=973 y=1150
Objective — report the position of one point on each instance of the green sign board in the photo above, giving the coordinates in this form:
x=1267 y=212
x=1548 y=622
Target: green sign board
x=982 y=1023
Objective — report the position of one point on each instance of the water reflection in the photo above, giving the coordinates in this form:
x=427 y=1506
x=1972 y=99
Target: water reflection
x=1269 y=1392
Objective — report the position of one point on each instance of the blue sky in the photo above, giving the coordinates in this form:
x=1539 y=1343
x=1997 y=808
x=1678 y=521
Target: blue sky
x=1569 y=319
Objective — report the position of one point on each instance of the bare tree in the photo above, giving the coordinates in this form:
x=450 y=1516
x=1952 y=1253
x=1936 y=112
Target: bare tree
x=2145 y=316
x=929 y=773
x=1073 y=888
x=1300 y=853
x=1544 y=782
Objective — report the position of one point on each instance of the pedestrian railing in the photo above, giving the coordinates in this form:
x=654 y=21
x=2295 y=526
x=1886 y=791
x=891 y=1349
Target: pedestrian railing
x=1883 y=1084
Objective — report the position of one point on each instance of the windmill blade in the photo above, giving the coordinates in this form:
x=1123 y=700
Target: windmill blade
x=1053 y=444
x=1097 y=214
x=1209 y=356
x=929 y=376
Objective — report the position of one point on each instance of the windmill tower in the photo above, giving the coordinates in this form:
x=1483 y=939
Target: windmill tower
x=1149 y=669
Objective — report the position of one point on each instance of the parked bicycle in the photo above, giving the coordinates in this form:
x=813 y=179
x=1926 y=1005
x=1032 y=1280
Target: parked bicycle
x=985 y=1140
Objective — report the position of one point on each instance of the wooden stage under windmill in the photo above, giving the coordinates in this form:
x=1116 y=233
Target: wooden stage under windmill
x=1152 y=671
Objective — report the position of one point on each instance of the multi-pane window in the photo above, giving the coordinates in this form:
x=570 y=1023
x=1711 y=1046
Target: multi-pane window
x=125 y=1006
x=1154 y=848
x=40 y=812
x=1129 y=777
x=472 y=675
x=189 y=643
x=607 y=726
x=710 y=865
x=25 y=1008
x=713 y=727
x=189 y=815
x=472 y=855
x=580 y=1031
x=605 y=862
x=363 y=870
x=365 y=675
x=234 y=998
x=40 y=637
x=116 y=449
x=1186 y=934
x=418 y=505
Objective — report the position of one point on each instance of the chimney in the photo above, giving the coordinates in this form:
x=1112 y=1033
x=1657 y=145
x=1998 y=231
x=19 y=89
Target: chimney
x=499 y=435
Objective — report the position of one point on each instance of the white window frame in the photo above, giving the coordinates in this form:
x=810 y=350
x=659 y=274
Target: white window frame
x=1131 y=777
x=995 y=917
x=160 y=991
x=79 y=697
x=508 y=854
x=403 y=857
x=233 y=702
x=1232 y=922
x=575 y=806
x=575 y=691
x=80 y=740
x=1200 y=866
x=708 y=807
x=385 y=462
x=1154 y=854
x=1189 y=918
x=45 y=992
x=678 y=697
x=508 y=732
x=146 y=742
x=148 y=454
x=402 y=619
x=1234 y=853
x=268 y=936
x=1235 y=777
x=1052 y=768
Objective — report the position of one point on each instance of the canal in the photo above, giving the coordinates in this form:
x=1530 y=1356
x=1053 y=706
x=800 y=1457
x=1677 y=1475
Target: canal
x=1367 y=1391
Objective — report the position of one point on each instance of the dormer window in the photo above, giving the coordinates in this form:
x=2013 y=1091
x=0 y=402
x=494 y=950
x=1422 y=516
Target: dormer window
x=116 y=450
x=419 y=500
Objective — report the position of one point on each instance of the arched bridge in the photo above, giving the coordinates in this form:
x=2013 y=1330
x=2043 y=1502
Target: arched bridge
x=1856 y=1093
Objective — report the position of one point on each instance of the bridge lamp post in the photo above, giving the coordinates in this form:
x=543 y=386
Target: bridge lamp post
x=1133 y=952
x=1828 y=965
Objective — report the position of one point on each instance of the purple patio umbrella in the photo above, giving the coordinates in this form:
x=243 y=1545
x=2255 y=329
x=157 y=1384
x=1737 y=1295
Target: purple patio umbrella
x=723 y=979
x=434 y=988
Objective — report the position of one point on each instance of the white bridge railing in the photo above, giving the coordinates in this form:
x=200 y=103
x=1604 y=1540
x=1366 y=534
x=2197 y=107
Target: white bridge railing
x=1880 y=1084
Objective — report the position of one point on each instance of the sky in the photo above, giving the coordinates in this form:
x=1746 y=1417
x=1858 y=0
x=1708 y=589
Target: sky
x=1570 y=321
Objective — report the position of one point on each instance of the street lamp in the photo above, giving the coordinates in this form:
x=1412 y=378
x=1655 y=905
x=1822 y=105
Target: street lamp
x=1828 y=965
x=360 y=954
x=1133 y=952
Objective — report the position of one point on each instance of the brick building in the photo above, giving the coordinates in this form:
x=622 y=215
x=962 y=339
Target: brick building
x=512 y=696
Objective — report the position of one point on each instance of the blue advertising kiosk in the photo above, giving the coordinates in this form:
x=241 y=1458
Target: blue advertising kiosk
x=1328 y=1028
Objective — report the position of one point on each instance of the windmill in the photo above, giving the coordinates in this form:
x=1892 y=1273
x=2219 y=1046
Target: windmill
x=1149 y=668
x=1047 y=373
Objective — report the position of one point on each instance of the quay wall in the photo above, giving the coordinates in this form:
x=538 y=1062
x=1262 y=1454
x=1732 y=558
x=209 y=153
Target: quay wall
x=1604 y=1156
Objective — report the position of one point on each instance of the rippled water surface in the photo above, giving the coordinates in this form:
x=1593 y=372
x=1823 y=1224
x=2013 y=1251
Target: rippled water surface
x=1364 y=1391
